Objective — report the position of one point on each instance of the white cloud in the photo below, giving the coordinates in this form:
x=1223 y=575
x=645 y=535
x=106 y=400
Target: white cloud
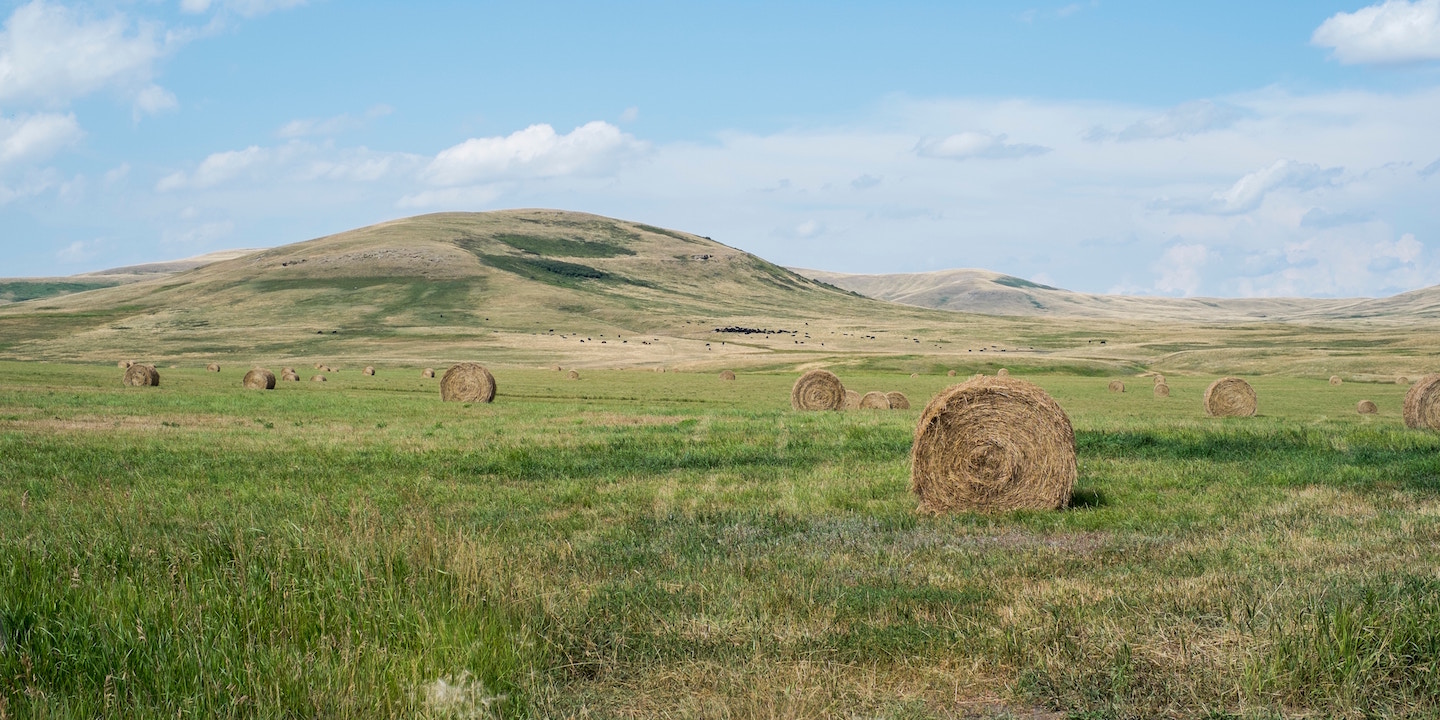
x=1395 y=31
x=1180 y=268
x=974 y=144
x=474 y=197
x=630 y=115
x=36 y=137
x=332 y=125
x=243 y=8
x=596 y=148
x=1251 y=190
x=78 y=251
x=202 y=234
x=194 y=6
x=50 y=54
x=118 y=173
x=154 y=100
x=293 y=162
x=1181 y=121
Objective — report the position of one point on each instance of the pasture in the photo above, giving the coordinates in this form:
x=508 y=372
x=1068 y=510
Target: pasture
x=639 y=544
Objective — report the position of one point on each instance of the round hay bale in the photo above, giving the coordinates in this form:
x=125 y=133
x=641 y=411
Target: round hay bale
x=572 y=375
x=950 y=374
x=259 y=379
x=727 y=375
x=327 y=368
x=318 y=378
x=1117 y=386
x=977 y=376
x=852 y=400
x=1162 y=390
x=1002 y=372
x=1230 y=397
x=319 y=366
x=898 y=401
x=875 y=400
x=213 y=367
x=141 y=375
x=1402 y=380
x=427 y=373
x=467 y=382
x=1335 y=380
x=288 y=371
x=1160 y=379
x=290 y=377
x=1366 y=407
x=993 y=445
x=124 y=364
x=1422 y=404
x=817 y=390
x=369 y=370
x=914 y=374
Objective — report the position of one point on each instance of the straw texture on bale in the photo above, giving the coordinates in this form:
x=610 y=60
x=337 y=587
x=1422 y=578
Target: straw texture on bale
x=817 y=390
x=977 y=376
x=318 y=378
x=875 y=400
x=1422 y=404
x=1117 y=386
x=259 y=379
x=1230 y=397
x=852 y=400
x=950 y=374
x=427 y=373
x=993 y=445
x=141 y=375
x=1002 y=372
x=898 y=401
x=727 y=375
x=368 y=370
x=213 y=367
x=1162 y=390
x=1335 y=380
x=467 y=382
x=573 y=375
x=1366 y=407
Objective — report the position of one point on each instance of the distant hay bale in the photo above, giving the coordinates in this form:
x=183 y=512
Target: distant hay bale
x=875 y=400
x=291 y=376
x=898 y=401
x=319 y=366
x=1366 y=407
x=1230 y=397
x=327 y=368
x=817 y=390
x=427 y=373
x=1162 y=390
x=573 y=375
x=1002 y=372
x=259 y=379
x=369 y=370
x=914 y=374
x=727 y=375
x=852 y=400
x=993 y=445
x=950 y=374
x=467 y=382
x=1402 y=380
x=1160 y=379
x=141 y=375
x=1422 y=404
x=213 y=367
x=317 y=378
x=1117 y=386
x=288 y=371
x=124 y=364
x=1335 y=380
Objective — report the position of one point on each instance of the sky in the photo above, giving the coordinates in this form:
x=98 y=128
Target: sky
x=1225 y=148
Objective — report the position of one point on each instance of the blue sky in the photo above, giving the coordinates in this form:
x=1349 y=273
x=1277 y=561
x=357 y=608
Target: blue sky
x=1223 y=148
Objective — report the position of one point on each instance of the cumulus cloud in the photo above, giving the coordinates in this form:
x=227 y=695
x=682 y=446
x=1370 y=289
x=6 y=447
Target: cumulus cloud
x=243 y=8
x=50 y=54
x=290 y=163
x=1181 y=121
x=1320 y=218
x=36 y=137
x=1251 y=190
x=595 y=148
x=1396 y=31
x=976 y=145
x=1179 y=269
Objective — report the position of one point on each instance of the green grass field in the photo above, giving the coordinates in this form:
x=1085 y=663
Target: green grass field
x=635 y=544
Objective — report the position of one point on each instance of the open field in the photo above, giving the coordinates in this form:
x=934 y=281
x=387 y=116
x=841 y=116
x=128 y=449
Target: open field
x=637 y=544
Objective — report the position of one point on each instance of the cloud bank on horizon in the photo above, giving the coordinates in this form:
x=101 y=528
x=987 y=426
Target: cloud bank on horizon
x=128 y=137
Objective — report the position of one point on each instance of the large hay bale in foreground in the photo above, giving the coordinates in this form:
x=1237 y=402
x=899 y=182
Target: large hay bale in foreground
x=898 y=401
x=1002 y=372
x=368 y=370
x=1117 y=386
x=817 y=390
x=259 y=379
x=467 y=382
x=1230 y=397
x=1422 y=404
x=573 y=375
x=1366 y=407
x=852 y=400
x=427 y=373
x=875 y=400
x=213 y=367
x=1162 y=390
x=318 y=378
x=727 y=375
x=993 y=445
x=141 y=375
x=1335 y=380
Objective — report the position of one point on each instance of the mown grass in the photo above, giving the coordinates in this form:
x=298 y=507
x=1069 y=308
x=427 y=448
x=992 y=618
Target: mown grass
x=638 y=544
